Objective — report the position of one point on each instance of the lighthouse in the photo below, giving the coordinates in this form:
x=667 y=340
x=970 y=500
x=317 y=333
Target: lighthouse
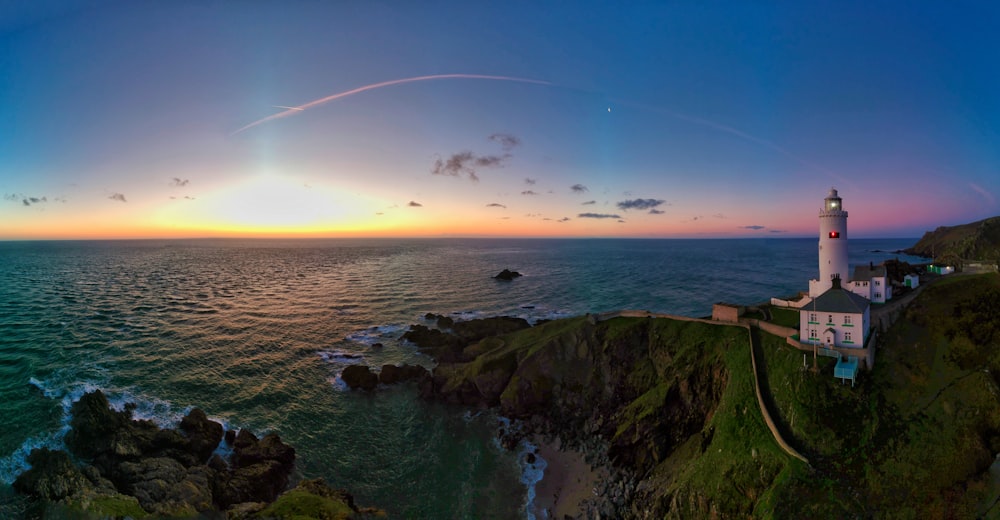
x=832 y=244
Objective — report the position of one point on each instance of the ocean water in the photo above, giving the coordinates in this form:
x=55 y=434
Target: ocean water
x=256 y=332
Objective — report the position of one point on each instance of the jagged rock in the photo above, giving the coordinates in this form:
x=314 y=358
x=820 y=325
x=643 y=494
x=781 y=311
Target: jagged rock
x=52 y=476
x=203 y=435
x=447 y=347
x=164 y=486
x=359 y=376
x=163 y=471
x=507 y=275
x=391 y=374
x=248 y=450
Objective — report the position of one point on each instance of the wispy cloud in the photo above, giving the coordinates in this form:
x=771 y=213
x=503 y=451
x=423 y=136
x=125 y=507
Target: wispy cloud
x=719 y=215
x=639 y=204
x=415 y=204
x=528 y=192
x=564 y=219
x=598 y=215
x=495 y=205
x=655 y=211
x=755 y=228
x=177 y=181
x=507 y=142
x=117 y=196
x=982 y=191
x=578 y=188
x=588 y=203
x=529 y=181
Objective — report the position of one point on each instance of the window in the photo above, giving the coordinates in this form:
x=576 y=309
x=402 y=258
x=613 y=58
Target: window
x=812 y=317
x=812 y=333
x=876 y=283
x=829 y=319
x=847 y=319
x=847 y=336
x=878 y=295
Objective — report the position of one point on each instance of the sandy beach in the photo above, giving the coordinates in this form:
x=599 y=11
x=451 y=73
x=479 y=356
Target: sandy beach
x=568 y=481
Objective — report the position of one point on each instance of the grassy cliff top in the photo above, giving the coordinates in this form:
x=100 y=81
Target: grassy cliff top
x=950 y=244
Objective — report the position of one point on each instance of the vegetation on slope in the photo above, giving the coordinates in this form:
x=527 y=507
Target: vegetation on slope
x=917 y=435
x=951 y=244
x=673 y=399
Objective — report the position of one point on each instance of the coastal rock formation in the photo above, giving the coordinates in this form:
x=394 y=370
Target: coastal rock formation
x=641 y=387
x=359 y=376
x=448 y=346
x=507 y=275
x=392 y=374
x=135 y=468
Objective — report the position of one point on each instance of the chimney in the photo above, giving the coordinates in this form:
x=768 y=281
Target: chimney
x=835 y=282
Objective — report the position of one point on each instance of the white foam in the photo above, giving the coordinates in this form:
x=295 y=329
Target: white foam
x=531 y=474
x=159 y=411
x=341 y=357
x=379 y=334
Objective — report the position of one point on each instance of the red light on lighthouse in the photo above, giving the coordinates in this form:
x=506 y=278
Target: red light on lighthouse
x=835 y=234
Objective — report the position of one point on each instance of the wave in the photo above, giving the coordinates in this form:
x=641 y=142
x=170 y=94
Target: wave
x=159 y=411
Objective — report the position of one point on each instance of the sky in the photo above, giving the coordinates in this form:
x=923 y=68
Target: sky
x=259 y=118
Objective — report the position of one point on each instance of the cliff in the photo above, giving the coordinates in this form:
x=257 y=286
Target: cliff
x=951 y=244
x=668 y=407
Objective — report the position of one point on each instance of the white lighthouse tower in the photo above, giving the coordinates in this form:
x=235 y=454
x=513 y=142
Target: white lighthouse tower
x=832 y=244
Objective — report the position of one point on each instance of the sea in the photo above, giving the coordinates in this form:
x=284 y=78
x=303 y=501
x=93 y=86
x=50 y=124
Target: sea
x=256 y=333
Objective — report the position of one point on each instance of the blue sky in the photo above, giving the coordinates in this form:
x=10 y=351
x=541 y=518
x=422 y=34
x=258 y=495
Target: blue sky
x=121 y=119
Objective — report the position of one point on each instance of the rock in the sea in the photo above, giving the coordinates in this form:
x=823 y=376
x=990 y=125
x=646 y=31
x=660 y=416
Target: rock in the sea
x=507 y=275
x=359 y=376
x=163 y=471
x=203 y=435
x=392 y=374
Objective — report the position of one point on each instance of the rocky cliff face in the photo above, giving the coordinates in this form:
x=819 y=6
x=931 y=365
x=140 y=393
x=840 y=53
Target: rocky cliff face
x=632 y=390
x=975 y=241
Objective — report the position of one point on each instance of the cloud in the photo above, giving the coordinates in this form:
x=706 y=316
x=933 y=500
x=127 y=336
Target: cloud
x=755 y=228
x=620 y=221
x=564 y=219
x=466 y=163
x=655 y=211
x=117 y=196
x=589 y=202
x=507 y=142
x=496 y=205
x=985 y=194
x=598 y=215
x=777 y=231
x=639 y=204
x=528 y=192
x=529 y=181
x=379 y=213
x=719 y=215
x=578 y=188
x=11 y=196
x=176 y=181
x=415 y=204
x=186 y=197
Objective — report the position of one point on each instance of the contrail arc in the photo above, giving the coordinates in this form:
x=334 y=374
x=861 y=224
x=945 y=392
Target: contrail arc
x=295 y=110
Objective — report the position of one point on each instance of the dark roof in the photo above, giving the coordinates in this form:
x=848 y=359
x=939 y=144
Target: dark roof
x=836 y=299
x=864 y=273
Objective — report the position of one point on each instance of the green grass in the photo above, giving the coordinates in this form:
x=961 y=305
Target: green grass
x=741 y=462
x=785 y=317
x=302 y=505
